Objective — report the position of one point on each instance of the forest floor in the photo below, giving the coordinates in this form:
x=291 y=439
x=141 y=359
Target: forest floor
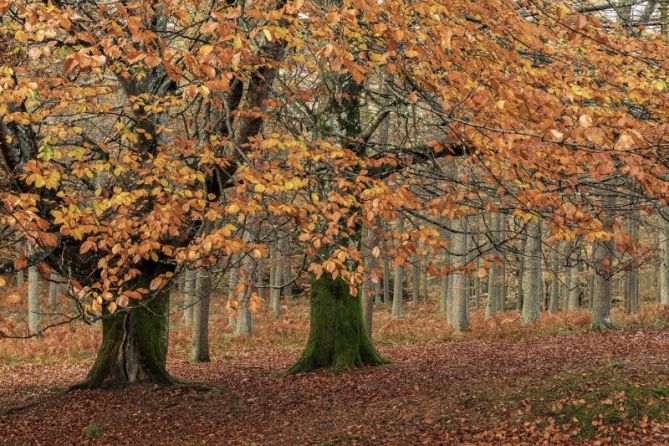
x=554 y=382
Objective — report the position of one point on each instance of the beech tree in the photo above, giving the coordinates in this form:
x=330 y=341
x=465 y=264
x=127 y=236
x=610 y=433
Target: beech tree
x=127 y=128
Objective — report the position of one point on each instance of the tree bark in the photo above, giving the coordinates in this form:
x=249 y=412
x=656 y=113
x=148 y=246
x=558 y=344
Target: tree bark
x=386 y=276
x=244 y=325
x=54 y=287
x=554 y=304
x=398 y=282
x=134 y=340
x=33 y=301
x=189 y=296
x=286 y=268
x=632 y=275
x=532 y=300
x=415 y=280
x=367 y=299
x=276 y=283
x=337 y=336
x=492 y=304
x=200 y=345
x=520 y=275
x=664 y=264
x=603 y=261
x=459 y=312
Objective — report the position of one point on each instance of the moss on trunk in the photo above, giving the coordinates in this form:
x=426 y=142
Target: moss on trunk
x=134 y=344
x=337 y=336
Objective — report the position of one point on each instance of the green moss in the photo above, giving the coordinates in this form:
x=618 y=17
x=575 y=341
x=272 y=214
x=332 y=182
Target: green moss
x=337 y=336
x=142 y=328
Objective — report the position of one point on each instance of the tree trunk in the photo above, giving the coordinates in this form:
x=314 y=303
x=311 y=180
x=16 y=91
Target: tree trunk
x=20 y=278
x=459 y=317
x=398 y=280
x=367 y=299
x=54 y=286
x=33 y=301
x=603 y=261
x=554 y=305
x=532 y=300
x=286 y=268
x=444 y=291
x=386 y=277
x=632 y=275
x=189 y=296
x=275 y=282
x=232 y=285
x=501 y=283
x=337 y=336
x=244 y=325
x=415 y=281
x=491 y=302
x=424 y=281
x=520 y=275
x=664 y=264
x=573 y=278
x=200 y=337
x=134 y=341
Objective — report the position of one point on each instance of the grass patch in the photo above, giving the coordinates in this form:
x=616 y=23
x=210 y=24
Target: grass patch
x=603 y=398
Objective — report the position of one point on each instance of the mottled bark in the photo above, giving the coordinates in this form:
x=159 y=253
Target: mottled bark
x=398 y=290
x=189 y=296
x=459 y=311
x=200 y=337
x=33 y=301
x=532 y=300
x=603 y=262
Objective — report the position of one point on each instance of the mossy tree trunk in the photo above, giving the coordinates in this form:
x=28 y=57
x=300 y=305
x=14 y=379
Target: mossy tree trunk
x=337 y=335
x=134 y=341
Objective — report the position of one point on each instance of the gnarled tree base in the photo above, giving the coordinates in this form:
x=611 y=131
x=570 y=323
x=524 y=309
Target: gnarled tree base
x=134 y=347
x=337 y=336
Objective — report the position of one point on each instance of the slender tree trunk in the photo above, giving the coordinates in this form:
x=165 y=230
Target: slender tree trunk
x=554 y=305
x=664 y=264
x=492 y=303
x=415 y=281
x=532 y=300
x=232 y=320
x=189 y=296
x=445 y=288
x=286 y=268
x=520 y=276
x=337 y=335
x=424 y=281
x=367 y=299
x=244 y=325
x=632 y=275
x=276 y=283
x=386 y=277
x=658 y=268
x=33 y=301
x=459 y=313
x=604 y=257
x=20 y=278
x=200 y=345
x=398 y=297
x=54 y=286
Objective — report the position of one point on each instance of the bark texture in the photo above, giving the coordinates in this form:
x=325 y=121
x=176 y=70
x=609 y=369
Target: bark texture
x=337 y=336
